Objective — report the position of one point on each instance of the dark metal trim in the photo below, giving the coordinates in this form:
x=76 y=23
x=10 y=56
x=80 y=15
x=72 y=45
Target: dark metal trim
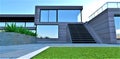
x=16 y=19
x=117 y=15
x=16 y=15
x=60 y=7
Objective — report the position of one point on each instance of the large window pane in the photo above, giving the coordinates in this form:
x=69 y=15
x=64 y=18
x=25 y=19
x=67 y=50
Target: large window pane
x=2 y=24
x=30 y=24
x=117 y=27
x=68 y=15
x=20 y=24
x=50 y=31
x=48 y=16
x=44 y=16
x=52 y=15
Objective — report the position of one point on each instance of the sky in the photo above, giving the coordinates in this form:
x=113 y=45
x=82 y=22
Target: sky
x=28 y=6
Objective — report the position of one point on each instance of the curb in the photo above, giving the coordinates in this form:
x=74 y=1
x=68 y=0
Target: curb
x=30 y=55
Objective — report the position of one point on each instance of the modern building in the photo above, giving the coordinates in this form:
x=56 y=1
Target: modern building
x=60 y=24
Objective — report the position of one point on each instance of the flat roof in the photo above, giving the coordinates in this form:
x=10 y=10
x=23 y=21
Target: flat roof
x=16 y=18
x=16 y=15
x=61 y=7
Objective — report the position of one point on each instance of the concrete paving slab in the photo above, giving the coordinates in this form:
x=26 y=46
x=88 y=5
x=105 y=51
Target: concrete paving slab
x=14 y=51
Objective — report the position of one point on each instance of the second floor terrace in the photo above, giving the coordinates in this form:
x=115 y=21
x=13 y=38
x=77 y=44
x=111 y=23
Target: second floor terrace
x=104 y=7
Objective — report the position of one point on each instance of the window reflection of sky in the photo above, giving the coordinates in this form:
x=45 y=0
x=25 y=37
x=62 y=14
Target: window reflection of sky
x=63 y=15
x=117 y=22
x=48 y=16
x=117 y=26
x=68 y=15
x=50 y=31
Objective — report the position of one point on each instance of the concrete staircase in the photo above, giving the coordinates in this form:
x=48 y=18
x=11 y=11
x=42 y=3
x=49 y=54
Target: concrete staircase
x=79 y=34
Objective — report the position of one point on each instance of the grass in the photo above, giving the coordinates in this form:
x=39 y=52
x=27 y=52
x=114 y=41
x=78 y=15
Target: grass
x=80 y=53
x=22 y=30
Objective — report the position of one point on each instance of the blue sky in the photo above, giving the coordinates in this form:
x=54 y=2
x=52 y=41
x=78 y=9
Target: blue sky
x=28 y=6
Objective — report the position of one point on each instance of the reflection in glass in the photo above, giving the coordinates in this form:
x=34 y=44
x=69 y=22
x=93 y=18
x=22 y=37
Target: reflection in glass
x=117 y=26
x=112 y=5
x=30 y=24
x=9 y=23
x=118 y=5
x=2 y=24
x=52 y=15
x=33 y=31
x=47 y=31
x=1 y=30
x=44 y=16
x=68 y=15
x=48 y=16
x=20 y=24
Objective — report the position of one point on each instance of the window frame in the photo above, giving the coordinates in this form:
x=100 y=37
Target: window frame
x=57 y=20
x=49 y=25
x=48 y=15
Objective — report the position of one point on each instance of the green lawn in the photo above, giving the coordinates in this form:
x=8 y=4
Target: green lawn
x=80 y=53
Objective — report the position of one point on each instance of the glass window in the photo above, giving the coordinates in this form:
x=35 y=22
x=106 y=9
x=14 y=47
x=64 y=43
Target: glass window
x=52 y=15
x=20 y=24
x=30 y=24
x=112 y=5
x=48 y=16
x=49 y=31
x=44 y=16
x=118 y=5
x=1 y=30
x=68 y=15
x=2 y=24
x=9 y=23
x=33 y=31
x=117 y=27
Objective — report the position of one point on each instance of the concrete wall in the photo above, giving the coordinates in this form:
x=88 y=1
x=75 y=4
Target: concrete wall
x=62 y=31
x=103 y=25
x=11 y=38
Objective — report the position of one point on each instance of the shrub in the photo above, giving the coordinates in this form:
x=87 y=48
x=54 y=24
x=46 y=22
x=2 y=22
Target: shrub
x=10 y=28
x=22 y=30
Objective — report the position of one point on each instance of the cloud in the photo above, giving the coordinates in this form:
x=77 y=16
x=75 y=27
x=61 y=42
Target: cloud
x=92 y=7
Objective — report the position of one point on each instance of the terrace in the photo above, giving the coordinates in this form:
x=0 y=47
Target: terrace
x=104 y=7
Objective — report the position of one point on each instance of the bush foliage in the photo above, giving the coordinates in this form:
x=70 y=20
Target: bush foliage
x=22 y=30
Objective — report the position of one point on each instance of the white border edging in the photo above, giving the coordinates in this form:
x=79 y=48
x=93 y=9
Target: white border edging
x=30 y=55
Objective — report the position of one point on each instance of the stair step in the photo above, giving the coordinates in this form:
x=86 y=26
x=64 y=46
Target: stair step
x=82 y=40
x=79 y=34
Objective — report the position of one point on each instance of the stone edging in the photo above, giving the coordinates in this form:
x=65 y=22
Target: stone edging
x=30 y=55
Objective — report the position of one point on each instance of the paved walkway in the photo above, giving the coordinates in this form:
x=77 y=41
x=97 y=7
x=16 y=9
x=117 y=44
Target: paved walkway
x=14 y=51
